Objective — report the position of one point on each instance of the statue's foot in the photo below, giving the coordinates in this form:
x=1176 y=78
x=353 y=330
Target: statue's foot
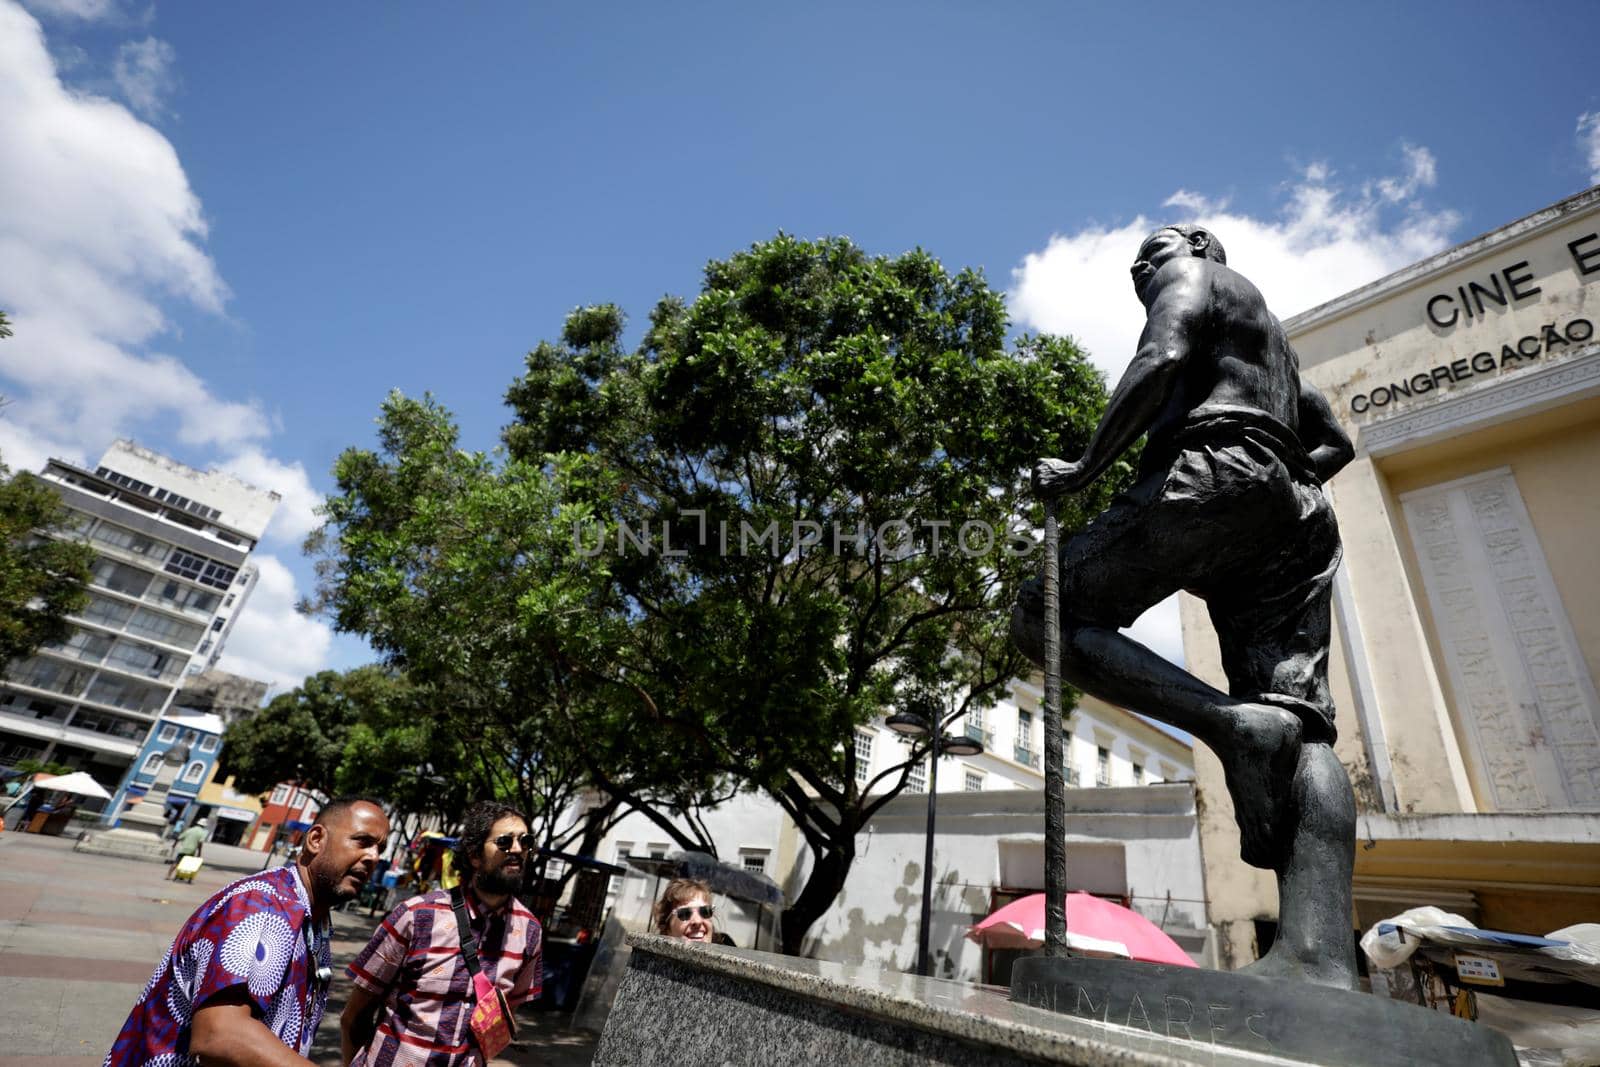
x=1325 y=968
x=1027 y=621
x=1259 y=759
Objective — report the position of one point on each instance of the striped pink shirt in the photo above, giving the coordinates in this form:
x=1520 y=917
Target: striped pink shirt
x=414 y=962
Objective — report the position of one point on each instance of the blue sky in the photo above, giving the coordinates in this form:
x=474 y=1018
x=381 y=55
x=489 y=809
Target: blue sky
x=228 y=230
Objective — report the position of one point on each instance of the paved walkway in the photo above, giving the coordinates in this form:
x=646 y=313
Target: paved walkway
x=80 y=934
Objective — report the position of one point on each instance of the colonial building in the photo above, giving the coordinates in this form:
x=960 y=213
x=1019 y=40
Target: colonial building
x=1466 y=627
x=1139 y=845
x=169 y=580
x=200 y=733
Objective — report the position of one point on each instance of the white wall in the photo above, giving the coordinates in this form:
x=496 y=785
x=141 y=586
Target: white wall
x=1141 y=842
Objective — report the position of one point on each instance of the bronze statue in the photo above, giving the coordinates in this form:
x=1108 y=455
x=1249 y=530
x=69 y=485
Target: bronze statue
x=1228 y=506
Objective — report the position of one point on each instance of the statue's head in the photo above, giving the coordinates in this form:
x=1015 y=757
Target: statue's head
x=1173 y=242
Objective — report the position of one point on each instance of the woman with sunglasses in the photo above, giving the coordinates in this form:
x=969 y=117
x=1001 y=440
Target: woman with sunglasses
x=685 y=911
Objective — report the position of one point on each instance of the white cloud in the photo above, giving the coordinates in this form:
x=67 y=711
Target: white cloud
x=143 y=71
x=271 y=641
x=1589 y=142
x=82 y=10
x=296 y=513
x=99 y=228
x=1327 y=240
x=99 y=225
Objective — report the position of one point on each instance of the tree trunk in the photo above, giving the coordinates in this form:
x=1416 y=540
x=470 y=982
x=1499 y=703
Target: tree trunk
x=822 y=888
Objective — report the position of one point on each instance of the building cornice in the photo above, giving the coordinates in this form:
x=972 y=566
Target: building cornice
x=1498 y=401
x=1450 y=259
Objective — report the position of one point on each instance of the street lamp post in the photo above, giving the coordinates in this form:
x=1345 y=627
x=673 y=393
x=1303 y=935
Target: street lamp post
x=913 y=725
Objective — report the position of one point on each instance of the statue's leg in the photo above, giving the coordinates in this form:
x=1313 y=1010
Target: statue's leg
x=1258 y=744
x=1315 y=942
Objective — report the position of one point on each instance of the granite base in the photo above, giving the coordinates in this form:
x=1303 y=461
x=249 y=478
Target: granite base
x=1310 y=1023
x=680 y=1003
x=129 y=844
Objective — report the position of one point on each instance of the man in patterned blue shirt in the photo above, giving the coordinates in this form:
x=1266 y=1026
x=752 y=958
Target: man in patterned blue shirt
x=246 y=979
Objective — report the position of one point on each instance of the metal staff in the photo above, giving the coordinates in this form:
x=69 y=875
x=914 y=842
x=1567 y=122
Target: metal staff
x=1055 y=790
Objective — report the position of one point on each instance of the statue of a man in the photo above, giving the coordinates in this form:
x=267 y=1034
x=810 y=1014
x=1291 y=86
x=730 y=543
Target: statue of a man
x=1228 y=506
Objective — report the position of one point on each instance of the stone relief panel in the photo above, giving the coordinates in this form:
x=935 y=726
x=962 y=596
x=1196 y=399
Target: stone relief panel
x=1522 y=692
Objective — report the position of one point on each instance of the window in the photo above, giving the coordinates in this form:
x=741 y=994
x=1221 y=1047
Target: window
x=863 y=750
x=200 y=569
x=184 y=597
x=87 y=646
x=1138 y=774
x=103 y=723
x=124 y=693
x=152 y=763
x=130 y=656
x=134 y=543
x=63 y=678
x=753 y=860
x=209 y=743
x=218 y=622
x=169 y=733
x=111 y=614
x=614 y=886
x=917 y=778
x=279 y=794
x=119 y=577
x=1025 y=752
x=1102 y=767
x=657 y=852
x=973 y=782
x=163 y=628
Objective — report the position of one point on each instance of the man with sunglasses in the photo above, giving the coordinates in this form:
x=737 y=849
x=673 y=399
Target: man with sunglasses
x=412 y=997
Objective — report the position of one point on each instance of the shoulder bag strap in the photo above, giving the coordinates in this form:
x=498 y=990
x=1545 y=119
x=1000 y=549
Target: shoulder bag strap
x=469 y=945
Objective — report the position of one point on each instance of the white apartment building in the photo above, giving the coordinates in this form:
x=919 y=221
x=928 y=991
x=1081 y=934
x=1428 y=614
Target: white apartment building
x=170 y=577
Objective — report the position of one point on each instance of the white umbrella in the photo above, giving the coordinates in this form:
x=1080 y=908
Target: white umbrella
x=79 y=782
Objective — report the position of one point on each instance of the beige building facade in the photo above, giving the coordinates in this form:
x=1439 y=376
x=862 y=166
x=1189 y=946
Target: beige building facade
x=1467 y=610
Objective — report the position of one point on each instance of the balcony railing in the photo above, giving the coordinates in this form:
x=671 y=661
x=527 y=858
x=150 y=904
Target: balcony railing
x=1072 y=776
x=1103 y=778
x=1027 y=756
x=978 y=733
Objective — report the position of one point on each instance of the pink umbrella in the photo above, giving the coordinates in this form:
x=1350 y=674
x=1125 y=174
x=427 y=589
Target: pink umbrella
x=1093 y=925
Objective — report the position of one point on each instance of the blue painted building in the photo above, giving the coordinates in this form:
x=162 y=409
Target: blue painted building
x=201 y=731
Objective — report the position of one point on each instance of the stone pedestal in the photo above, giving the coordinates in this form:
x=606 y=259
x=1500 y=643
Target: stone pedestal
x=1283 y=1017
x=139 y=835
x=682 y=1003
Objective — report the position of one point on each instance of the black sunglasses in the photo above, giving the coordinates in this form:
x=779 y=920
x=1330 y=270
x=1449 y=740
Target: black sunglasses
x=683 y=913
x=503 y=842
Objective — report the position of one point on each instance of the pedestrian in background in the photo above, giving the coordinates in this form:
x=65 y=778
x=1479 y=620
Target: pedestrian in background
x=413 y=998
x=188 y=843
x=245 y=981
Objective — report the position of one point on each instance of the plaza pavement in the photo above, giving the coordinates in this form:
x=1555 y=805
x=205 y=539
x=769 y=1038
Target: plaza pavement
x=80 y=935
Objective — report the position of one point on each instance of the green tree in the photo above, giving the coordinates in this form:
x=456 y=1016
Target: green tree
x=44 y=575
x=301 y=735
x=460 y=571
x=811 y=391
x=808 y=389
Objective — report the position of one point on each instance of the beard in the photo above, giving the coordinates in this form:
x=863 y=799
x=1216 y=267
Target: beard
x=499 y=881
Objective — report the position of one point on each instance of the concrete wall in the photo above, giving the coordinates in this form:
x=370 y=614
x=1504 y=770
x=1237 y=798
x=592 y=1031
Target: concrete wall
x=1142 y=842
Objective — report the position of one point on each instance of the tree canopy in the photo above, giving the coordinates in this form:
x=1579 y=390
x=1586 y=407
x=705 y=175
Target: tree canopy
x=797 y=504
